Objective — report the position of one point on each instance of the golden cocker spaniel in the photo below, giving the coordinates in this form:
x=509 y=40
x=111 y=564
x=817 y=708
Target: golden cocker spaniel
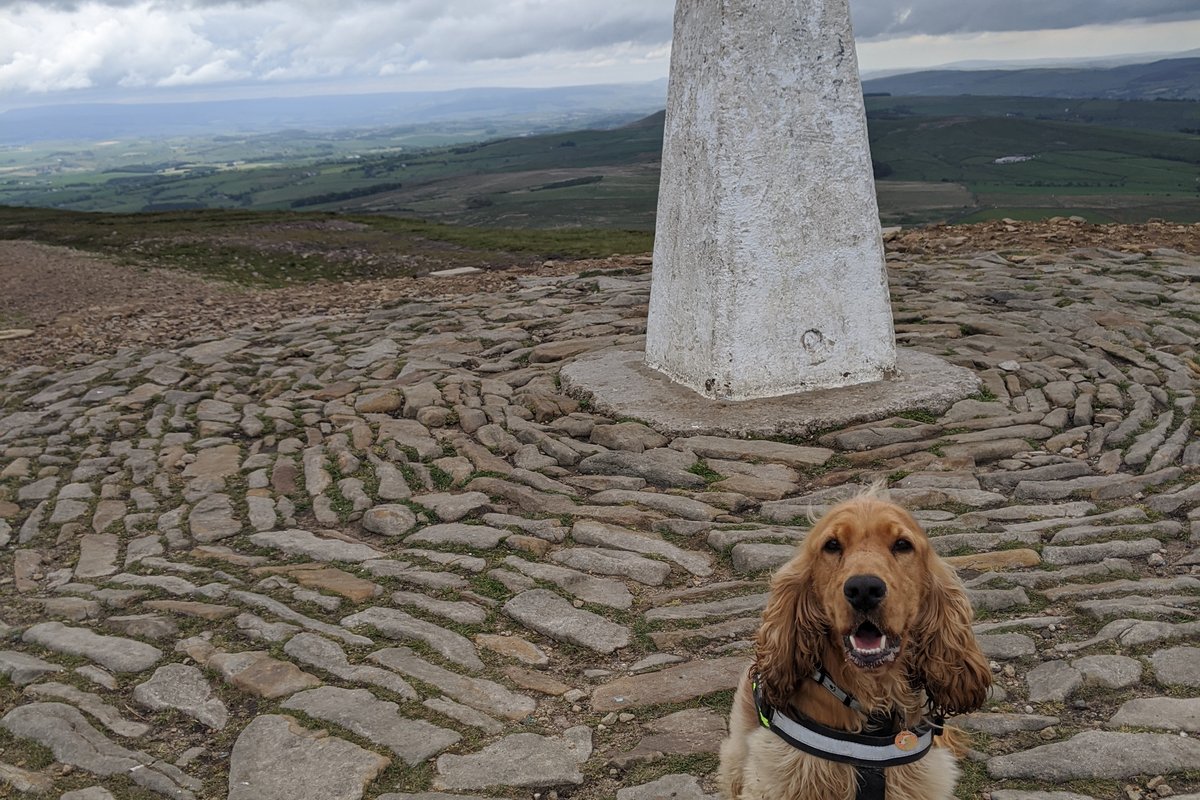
x=867 y=632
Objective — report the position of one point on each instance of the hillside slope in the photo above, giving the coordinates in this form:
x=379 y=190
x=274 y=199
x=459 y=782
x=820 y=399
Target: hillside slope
x=1170 y=79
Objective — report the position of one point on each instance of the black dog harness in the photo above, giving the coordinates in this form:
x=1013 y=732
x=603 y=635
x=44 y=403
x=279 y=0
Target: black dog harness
x=884 y=743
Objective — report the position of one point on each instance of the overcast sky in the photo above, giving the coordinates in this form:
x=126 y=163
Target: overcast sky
x=57 y=50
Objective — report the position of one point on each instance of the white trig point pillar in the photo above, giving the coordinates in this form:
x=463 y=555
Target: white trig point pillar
x=769 y=272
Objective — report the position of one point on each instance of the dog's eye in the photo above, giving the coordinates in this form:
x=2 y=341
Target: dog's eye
x=902 y=546
x=833 y=546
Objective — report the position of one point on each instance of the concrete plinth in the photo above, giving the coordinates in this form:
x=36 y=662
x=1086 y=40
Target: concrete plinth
x=619 y=384
x=769 y=274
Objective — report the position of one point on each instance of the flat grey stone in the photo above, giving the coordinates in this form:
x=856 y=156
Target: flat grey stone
x=1125 y=587
x=663 y=468
x=600 y=534
x=478 y=537
x=1101 y=754
x=316 y=651
x=669 y=504
x=111 y=652
x=1005 y=646
x=1163 y=713
x=1053 y=682
x=278 y=609
x=997 y=599
x=213 y=352
x=668 y=787
x=620 y=385
x=97 y=556
x=606 y=561
x=1163 y=531
x=431 y=795
x=102 y=712
x=359 y=711
x=1149 y=607
x=143 y=626
x=464 y=714
x=453 y=507
x=275 y=758
x=551 y=615
x=671 y=685
x=1134 y=632
x=524 y=760
x=168 y=583
x=212 y=520
x=183 y=688
x=1003 y=724
x=303 y=543
x=1111 y=672
x=395 y=624
x=1089 y=553
x=22 y=669
x=90 y=793
x=1177 y=666
x=405 y=572
x=478 y=693
x=458 y=611
x=23 y=781
x=1021 y=794
x=752 y=557
x=588 y=588
x=64 y=731
x=750 y=604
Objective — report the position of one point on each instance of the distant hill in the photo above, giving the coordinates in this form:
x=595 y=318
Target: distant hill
x=102 y=121
x=1170 y=79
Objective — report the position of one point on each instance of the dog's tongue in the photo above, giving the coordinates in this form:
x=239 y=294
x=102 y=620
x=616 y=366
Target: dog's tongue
x=867 y=638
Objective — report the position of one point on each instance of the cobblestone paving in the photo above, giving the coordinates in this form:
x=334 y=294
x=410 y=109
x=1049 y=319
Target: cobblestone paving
x=383 y=556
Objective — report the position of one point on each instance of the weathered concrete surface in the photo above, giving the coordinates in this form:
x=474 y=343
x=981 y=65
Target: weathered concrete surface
x=619 y=384
x=768 y=266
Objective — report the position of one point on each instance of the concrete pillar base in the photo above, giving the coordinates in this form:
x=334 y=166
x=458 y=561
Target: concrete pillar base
x=619 y=384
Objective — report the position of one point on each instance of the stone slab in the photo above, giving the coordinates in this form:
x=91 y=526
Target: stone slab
x=673 y=685
x=112 y=652
x=379 y=721
x=551 y=615
x=619 y=384
x=1100 y=754
x=275 y=758
x=66 y=733
x=524 y=759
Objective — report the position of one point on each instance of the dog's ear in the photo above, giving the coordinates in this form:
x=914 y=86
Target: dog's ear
x=946 y=659
x=792 y=631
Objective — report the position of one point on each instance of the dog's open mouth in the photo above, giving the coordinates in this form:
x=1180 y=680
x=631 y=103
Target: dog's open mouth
x=867 y=647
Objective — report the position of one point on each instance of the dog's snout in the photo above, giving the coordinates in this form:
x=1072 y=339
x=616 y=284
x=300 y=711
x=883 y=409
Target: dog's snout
x=865 y=592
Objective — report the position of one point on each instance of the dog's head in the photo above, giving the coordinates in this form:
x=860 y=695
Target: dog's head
x=867 y=587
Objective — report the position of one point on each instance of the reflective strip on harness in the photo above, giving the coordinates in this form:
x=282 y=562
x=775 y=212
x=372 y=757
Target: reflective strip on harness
x=875 y=751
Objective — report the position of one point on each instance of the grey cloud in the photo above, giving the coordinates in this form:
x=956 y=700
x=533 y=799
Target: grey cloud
x=593 y=24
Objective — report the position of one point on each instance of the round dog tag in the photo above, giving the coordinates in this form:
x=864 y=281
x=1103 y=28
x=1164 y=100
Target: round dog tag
x=907 y=741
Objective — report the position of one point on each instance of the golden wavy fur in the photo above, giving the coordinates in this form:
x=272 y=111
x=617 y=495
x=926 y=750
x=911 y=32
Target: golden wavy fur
x=932 y=656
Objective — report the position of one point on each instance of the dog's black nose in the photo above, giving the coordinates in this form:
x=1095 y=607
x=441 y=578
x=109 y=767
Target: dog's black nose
x=865 y=592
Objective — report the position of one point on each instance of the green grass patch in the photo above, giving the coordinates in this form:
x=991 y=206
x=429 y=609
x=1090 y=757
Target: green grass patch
x=706 y=472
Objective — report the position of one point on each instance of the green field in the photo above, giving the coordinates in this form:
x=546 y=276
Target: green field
x=1111 y=174
x=1166 y=117
x=936 y=158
